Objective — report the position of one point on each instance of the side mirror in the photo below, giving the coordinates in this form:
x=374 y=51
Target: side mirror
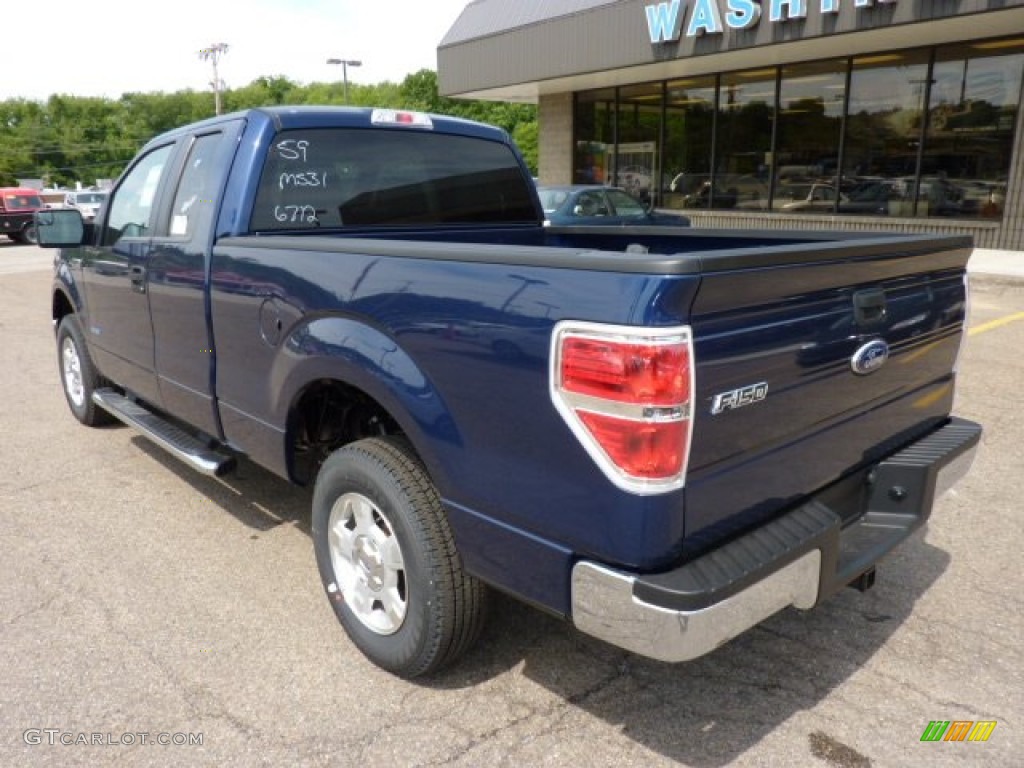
x=578 y=210
x=60 y=228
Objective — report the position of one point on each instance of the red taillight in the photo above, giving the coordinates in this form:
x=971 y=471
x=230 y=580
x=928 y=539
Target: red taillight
x=626 y=392
x=651 y=451
x=627 y=373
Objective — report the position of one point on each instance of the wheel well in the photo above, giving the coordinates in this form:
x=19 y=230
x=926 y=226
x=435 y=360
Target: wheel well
x=327 y=415
x=61 y=307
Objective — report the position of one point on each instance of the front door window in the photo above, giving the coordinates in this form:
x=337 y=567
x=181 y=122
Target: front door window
x=131 y=206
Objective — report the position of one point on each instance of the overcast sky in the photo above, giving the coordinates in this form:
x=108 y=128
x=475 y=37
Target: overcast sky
x=109 y=47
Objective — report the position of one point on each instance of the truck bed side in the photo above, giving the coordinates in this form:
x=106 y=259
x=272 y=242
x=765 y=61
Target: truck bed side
x=453 y=341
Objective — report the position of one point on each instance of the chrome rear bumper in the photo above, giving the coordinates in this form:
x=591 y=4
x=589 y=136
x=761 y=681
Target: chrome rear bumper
x=798 y=559
x=604 y=606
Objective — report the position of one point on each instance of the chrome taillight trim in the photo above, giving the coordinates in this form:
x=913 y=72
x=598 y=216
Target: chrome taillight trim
x=569 y=403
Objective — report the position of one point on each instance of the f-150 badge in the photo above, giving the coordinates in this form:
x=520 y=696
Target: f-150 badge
x=870 y=357
x=737 y=398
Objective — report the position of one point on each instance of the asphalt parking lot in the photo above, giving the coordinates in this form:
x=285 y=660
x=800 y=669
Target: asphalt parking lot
x=137 y=597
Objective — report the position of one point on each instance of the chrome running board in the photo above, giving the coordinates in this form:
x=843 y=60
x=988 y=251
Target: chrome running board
x=171 y=438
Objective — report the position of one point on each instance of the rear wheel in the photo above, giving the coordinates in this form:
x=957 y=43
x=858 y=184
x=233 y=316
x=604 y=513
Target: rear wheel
x=78 y=376
x=388 y=561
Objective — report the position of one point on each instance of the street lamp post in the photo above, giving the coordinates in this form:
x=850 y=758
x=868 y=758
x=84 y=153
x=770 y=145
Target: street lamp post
x=345 y=64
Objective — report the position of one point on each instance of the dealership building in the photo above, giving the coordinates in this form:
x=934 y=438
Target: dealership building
x=797 y=114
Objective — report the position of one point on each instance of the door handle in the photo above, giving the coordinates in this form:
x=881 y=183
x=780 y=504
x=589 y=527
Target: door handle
x=138 y=278
x=869 y=307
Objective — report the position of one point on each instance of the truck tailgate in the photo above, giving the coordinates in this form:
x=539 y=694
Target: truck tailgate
x=811 y=364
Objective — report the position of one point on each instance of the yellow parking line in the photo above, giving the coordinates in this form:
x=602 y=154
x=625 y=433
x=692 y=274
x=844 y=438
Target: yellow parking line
x=995 y=324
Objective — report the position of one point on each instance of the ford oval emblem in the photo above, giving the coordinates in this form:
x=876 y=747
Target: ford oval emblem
x=870 y=357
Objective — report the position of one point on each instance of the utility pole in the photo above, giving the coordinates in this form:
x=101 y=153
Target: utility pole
x=345 y=64
x=212 y=54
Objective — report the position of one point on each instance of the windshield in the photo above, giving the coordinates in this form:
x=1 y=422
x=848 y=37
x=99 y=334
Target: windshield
x=22 y=202
x=91 y=198
x=872 y=191
x=626 y=205
x=551 y=199
x=793 y=191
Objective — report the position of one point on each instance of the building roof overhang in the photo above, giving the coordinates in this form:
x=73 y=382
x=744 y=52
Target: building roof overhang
x=521 y=51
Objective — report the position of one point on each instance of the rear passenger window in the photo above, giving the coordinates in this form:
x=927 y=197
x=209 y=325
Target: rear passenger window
x=350 y=177
x=195 y=190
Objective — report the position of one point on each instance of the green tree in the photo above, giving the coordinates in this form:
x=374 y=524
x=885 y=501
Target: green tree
x=419 y=92
x=20 y=120
x=262 y=92
x=525 y=136
x=70 y=139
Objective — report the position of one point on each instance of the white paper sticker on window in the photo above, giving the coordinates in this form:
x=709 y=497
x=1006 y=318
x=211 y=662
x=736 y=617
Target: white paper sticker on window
x=149 y=186
x=179 y=225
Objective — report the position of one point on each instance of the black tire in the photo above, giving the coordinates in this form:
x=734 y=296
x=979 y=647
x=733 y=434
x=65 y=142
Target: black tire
x=78 y=376
x=29 y=235
x=443 y=608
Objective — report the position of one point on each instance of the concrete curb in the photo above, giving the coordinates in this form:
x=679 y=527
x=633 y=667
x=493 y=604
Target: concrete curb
x=999 y=265
x=991 y=278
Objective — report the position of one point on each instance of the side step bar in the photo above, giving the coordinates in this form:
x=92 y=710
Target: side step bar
x=172 y=439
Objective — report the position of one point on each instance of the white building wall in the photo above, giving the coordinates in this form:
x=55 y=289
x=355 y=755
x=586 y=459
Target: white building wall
x=554 y=140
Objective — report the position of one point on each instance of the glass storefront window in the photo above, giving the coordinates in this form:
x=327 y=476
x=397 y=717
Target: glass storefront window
x=689 y=125
x=927 y=132
x=743 y=158
x=972 y=112
x=637 y=153
x=595 y=136
x=811 y=99
x=883 y=133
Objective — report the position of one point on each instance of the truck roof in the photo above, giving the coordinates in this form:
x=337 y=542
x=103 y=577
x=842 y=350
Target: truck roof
x=297 y=117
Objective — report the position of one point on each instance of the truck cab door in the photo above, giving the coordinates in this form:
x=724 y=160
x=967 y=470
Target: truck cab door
x=114 y=278
x=178 y=276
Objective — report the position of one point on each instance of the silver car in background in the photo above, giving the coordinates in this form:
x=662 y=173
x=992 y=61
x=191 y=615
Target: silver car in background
x=88 y=202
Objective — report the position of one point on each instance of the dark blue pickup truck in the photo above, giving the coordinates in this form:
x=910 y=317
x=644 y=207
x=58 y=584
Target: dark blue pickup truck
x=663 y=435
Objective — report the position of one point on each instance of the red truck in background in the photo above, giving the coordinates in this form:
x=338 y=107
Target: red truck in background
x=17 y=208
